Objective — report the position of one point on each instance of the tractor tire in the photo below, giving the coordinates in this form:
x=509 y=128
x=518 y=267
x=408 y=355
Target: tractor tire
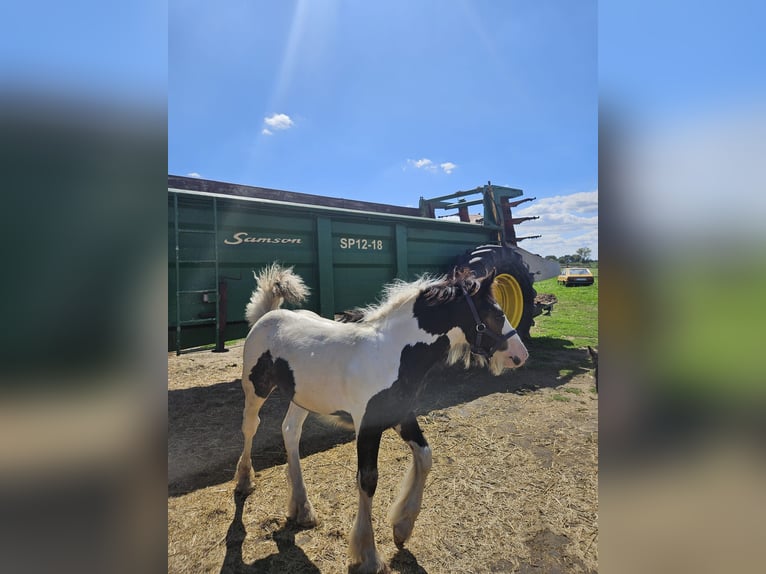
x=512 y=286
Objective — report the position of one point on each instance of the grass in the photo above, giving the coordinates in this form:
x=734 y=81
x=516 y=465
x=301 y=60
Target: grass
x=574 y=317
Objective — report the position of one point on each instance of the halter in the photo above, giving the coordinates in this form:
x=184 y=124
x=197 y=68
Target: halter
x=481 y=329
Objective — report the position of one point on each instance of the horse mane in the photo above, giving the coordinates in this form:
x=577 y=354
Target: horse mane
x=436 y=290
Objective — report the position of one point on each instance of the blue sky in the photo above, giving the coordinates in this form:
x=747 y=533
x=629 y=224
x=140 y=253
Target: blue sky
x=390 y=101
x=687 y=82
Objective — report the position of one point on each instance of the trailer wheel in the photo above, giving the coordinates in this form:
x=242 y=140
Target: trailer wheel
x=512 y=287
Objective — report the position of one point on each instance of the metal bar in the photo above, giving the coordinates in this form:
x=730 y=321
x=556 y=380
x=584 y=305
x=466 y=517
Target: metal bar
x=196 y=230
x=506 y=191
x=402 y=265
x=197 y=261
x=178 y=277
x=520 y=201
x=517 y=220
x=310 y=210
x=218 y=331
x=507 y=214
x=501 y=190
x=491 y=203
x=178 y=262
x=459 y=204
x=221 y=325
x=325 y=267
x=196 y=322
x=184 y=184
x=456 y=194
x=426 y=208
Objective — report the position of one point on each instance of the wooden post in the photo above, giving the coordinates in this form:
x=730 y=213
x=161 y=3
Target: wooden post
x=220 y=336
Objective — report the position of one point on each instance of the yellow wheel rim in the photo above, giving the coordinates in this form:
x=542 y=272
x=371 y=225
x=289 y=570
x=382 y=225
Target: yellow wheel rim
x=507 y=293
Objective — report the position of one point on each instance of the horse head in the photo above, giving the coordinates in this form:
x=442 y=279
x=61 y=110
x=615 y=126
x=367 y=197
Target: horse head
x=484 y=336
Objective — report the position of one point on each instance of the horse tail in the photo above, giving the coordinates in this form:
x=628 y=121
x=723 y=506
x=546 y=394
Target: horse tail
x=276 y=284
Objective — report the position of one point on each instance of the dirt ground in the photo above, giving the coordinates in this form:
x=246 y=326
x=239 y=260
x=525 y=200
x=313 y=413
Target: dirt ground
x=513 y=486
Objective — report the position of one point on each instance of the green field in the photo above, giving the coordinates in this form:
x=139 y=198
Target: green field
x=574 y=317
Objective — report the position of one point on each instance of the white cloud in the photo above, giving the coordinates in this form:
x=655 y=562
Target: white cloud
x=697 y=176
x=428 y=165
x=279 y=121
x=567 y=222
x=447 y=166
x=193 y=174
x=266 y=132
x=423 y=163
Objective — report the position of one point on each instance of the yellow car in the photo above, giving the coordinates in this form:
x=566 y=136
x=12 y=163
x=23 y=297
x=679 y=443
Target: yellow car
x=575 y=276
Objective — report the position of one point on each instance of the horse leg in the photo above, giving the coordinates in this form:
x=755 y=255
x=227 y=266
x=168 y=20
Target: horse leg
x=406 y=507
x=250 y=422
x=362 y=551
x=299 y=507
x=257 y=387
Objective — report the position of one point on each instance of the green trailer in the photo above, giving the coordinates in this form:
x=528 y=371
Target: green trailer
x=219 y=233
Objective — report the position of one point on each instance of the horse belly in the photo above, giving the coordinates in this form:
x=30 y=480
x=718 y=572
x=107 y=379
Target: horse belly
x=320 y=393
x=328 y=385
x=334 y=366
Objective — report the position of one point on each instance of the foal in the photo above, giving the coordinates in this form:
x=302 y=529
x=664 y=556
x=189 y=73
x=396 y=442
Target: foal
x=371 y=369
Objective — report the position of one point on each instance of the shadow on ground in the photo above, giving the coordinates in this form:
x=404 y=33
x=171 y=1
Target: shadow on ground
x=204 y=437
x=289 y=558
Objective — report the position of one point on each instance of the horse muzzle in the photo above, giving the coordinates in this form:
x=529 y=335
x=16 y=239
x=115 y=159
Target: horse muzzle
x=512 y=362
x=514 y=355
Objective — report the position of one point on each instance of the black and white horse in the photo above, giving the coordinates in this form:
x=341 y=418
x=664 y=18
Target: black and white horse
x=372 y=369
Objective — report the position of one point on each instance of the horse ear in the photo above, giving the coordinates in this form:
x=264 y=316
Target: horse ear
x=486 y=281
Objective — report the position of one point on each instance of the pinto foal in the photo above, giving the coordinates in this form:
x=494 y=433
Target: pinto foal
x=372 y=369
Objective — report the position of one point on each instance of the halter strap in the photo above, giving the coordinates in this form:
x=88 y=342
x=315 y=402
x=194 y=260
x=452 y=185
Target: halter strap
x=481 y=329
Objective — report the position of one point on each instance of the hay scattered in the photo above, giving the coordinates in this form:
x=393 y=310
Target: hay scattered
x=513 y=486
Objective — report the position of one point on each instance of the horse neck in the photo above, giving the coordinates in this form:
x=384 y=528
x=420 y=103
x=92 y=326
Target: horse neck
x=417 y=321
x=397 y=321
x=436 y=319
x=418 y=350
x=414 y=314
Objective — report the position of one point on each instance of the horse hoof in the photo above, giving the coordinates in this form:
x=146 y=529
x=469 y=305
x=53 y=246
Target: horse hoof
x=402 y=533
x=308 y=522
x=305 y=517
x=245 y=483
x=245 y=477
x=378 y=567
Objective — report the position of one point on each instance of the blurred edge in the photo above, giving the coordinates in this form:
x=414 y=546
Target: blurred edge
x=682 y=272
x=682 y=395
x=682 y=269
x=83 y=402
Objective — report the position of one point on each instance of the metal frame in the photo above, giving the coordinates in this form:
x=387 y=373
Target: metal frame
x=178 y=231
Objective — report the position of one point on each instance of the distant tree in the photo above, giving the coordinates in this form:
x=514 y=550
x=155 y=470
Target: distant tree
x=552 y=257
x=584 y=254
